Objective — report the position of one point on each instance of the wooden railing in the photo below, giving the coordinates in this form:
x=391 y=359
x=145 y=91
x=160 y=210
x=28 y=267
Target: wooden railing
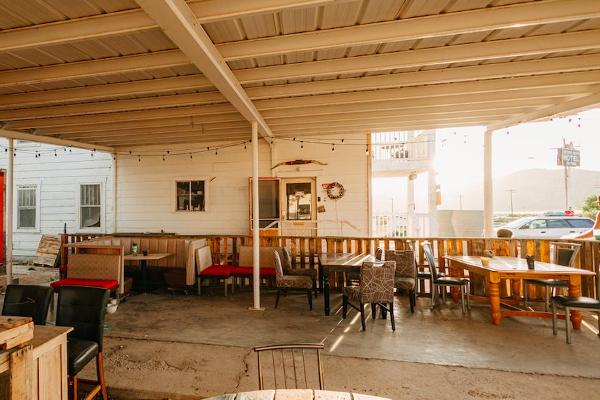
x=305 y=250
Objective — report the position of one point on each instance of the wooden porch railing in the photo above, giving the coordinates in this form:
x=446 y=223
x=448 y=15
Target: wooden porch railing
x=305 y=250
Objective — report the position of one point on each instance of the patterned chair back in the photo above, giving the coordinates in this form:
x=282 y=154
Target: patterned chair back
x=278 y=266
x=377 y=282
x=287 y=258
x=406 y=266
x=379 y=254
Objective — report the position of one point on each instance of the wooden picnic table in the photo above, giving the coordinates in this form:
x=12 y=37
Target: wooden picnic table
x=515 y=269
x=295 y=394
x=338 y=262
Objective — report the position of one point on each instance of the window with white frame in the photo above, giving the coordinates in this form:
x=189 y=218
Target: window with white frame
x=27 y=204
x=190 y=195
x=90 y=206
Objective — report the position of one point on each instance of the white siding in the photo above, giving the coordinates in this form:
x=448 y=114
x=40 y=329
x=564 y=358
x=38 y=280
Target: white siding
x=59 y=179
x=145 y=192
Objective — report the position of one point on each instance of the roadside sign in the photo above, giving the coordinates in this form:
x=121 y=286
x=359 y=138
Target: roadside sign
x=568 y=157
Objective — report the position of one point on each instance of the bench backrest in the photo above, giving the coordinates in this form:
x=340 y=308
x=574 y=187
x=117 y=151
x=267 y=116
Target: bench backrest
x=266 y=256
x=94 y=266
x=203 y=259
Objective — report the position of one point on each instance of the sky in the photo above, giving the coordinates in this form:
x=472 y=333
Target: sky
x=459 y=157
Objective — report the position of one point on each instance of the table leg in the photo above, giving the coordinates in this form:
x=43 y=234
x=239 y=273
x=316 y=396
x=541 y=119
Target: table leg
x=516 y=290
x=455 y=272
x=144 y=268
x=494 y=296
x=325 y=286
x=575 y=291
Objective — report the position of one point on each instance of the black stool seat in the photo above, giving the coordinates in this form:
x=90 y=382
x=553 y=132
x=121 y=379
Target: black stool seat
x=451 y=281
x=549 y=282
x=577 y=302
x=79 y=353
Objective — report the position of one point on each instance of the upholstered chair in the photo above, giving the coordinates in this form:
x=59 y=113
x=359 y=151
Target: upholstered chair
x=28 y=301
x=406 y=273
x=290 y=283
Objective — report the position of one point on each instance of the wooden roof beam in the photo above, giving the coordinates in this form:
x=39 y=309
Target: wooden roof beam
x=486 y=19
x=11 y=134
x=179 y=23
x=560 y=109
x=428 y=77
x=573 y=41
x=207 y=122
x=548 y=80
x=123 y=22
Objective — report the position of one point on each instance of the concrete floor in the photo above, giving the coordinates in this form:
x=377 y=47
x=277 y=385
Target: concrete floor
x=206 y=344
x=186 y=347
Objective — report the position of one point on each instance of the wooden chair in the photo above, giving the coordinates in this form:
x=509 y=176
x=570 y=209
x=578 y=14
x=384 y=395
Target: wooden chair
x=565 y=254
x=285 y=377
x=376 y=287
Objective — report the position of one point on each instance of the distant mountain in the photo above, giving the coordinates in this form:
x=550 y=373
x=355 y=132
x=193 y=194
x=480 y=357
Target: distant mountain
x=540 y=190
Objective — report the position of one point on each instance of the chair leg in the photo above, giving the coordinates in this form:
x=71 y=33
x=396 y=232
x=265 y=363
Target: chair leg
x=462 y=297
x=374 y=311
x=277 y=298
x=344 y=306
x=598 y=323
x=547 y=302
x=525 y=293
x=199 y=285
x=469 y=295
x=309 y=295
x=392 y=316
x=362 y=316
x=412 y=299
x=433 y=295
x=568 y=328
x=225 y=284
x=100 y=375
x=74 y=387
x=443 y=288
x=554 y=319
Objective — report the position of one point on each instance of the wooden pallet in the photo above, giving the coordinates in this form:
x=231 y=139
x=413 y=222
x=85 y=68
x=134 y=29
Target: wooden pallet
x=15 y=331
x=47 y=251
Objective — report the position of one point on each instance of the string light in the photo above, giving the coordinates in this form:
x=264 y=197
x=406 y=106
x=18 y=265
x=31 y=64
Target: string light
x=301 y=144
x=367 y=150
x=332 y=147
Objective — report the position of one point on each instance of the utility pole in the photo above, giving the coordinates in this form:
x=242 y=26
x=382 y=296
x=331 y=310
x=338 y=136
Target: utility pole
x=511 y=191
x=460 y=196
x=566 y=168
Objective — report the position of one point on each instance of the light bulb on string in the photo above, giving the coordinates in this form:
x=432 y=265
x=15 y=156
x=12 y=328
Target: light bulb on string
x=55 y=155
x=332 y=147
x=139 y=158
x=367 y=150
x=191 y=156
x=301 y=144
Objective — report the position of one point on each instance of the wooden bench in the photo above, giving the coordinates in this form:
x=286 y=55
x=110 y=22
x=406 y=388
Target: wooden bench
x=95 y=265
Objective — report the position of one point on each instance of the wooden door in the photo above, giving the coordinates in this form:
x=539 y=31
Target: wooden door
x=298 y=206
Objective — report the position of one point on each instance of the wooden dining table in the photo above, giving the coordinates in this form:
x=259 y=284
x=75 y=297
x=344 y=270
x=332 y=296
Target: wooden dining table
x=515 y=269
x=295 y=394
x=338 y=262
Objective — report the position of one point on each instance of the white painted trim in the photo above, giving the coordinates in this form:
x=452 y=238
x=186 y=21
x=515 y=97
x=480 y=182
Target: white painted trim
x=38 y=205
x=102 y=183
x=173 y=192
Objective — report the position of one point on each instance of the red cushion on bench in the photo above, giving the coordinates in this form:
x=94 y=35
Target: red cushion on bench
x=98 y=283
x=216 y=270
x=247 y=271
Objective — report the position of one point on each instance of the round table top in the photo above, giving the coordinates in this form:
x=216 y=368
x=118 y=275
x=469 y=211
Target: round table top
x=295 y=394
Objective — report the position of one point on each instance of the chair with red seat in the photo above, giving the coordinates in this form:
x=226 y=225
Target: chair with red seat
x=205 y=269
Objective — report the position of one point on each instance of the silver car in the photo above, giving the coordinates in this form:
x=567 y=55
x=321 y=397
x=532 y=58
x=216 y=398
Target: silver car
x=540 y=227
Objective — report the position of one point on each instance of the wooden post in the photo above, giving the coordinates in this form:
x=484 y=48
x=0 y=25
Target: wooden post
x=488 y=186
x=10 y=173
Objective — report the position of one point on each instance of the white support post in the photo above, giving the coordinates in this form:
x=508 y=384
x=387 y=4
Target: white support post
x=488 y=186
x=255 y=220
x=410 y=203
x=10 y=171
x=115 y=188
x=432 y=184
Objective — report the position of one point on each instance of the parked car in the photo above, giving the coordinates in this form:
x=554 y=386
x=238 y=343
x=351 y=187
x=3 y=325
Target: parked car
x=545 y=226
